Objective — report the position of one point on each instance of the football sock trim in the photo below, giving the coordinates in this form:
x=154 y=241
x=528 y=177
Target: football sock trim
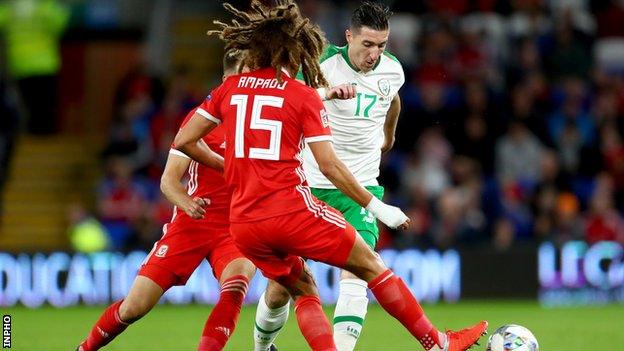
x=267 y=331
x=355 y=319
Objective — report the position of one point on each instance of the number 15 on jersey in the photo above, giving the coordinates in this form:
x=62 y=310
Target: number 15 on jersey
x=257 y=123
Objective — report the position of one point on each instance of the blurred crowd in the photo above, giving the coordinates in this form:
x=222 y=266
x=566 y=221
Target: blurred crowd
x=148 y=113
x=511 y=131
x=511 y=128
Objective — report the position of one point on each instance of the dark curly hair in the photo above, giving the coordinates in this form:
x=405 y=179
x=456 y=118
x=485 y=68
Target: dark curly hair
x=278 y=37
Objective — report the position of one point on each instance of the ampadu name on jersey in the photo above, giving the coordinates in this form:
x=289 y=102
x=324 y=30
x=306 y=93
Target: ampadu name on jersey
x=260 y=83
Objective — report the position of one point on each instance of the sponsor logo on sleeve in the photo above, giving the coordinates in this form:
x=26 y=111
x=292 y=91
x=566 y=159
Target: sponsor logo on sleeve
x=324 y=118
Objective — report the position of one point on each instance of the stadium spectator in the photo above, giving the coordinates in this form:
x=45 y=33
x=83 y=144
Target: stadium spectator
x=518 y=154
x=178 y=99
x=568 y=221
x=32 y=31
x=122 y=203
x=459 y=216
x=603 y=222
x=86 y=233
x=568 y=55
x=428 y=170
x=129 y=135
x=610 y=18
x=8 y=133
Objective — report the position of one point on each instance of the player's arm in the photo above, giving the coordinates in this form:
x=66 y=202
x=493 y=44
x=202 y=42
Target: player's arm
x=392 y=117
x=171 y=186
x=336 y=171
x=189 y=141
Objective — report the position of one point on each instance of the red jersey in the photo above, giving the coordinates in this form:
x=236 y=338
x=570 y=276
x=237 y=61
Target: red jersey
x=207 y=182
x=266 y=124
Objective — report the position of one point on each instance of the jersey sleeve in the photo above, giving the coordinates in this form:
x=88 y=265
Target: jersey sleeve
x=209 y=109
x=315 y=120
x=172 y=149
x=401 y=78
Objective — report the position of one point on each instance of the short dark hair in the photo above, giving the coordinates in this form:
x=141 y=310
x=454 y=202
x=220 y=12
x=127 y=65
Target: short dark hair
x=371 y=14
x=231 y=60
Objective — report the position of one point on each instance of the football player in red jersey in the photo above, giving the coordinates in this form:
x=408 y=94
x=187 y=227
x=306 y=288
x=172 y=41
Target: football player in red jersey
x=198 y=230
x=274 y=219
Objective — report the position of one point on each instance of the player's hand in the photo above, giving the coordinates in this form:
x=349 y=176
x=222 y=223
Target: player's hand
x=395 y=218
x=387 y=145
x=342 y=92
x=405 y=224
x=391 y=216
x=194 y=208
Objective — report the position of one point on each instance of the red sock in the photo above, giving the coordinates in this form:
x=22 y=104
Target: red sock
x=105 y=329
x=222 y=320
x=396 y=298
x=314 y=324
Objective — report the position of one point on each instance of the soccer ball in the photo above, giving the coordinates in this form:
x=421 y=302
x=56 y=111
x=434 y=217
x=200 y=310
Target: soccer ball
x=511 y=337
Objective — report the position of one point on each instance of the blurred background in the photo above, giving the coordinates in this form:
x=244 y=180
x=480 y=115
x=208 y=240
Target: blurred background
x=509 y=151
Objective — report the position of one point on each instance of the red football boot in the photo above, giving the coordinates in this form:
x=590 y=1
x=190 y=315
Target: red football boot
x=464 y=339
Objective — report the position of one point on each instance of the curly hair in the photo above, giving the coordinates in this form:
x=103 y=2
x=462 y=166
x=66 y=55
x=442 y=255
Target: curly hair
x=278 y=37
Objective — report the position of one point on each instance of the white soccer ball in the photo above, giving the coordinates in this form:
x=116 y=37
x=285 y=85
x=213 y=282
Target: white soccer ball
x=511 y=337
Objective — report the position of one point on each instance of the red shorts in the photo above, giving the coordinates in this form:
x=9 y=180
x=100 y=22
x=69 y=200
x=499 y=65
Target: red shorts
x=276 y=245
x=183 y=246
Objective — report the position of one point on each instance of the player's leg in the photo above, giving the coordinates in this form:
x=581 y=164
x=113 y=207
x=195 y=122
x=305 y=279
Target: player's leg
x=271 y=315
x=311 y=319
x=396 y=298
x=260 y=242
x=234 y=280
x=331 y=240
x=142 y=297
x=350 y=311
x=352 y=304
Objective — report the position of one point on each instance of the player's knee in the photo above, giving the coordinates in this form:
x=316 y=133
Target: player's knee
x=366 y=266
x=131 y=310
x=276 y=295
x=239 y=266
x=304 y=286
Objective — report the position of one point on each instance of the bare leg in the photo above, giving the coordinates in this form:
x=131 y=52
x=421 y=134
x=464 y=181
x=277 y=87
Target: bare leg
x=143 y=296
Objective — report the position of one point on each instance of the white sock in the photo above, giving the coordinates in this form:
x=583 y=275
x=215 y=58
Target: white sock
x=349 y=314
x=269 y=322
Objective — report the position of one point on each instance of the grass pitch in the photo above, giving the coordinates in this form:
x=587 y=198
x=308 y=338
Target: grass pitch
x=179 y=327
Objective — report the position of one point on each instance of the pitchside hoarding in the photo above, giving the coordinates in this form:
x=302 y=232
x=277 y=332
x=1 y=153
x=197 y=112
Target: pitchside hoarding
x=578 y=273
x=575 y=273
x=61 y=279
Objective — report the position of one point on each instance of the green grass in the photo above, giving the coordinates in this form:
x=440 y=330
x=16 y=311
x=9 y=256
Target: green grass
x=178 y=328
